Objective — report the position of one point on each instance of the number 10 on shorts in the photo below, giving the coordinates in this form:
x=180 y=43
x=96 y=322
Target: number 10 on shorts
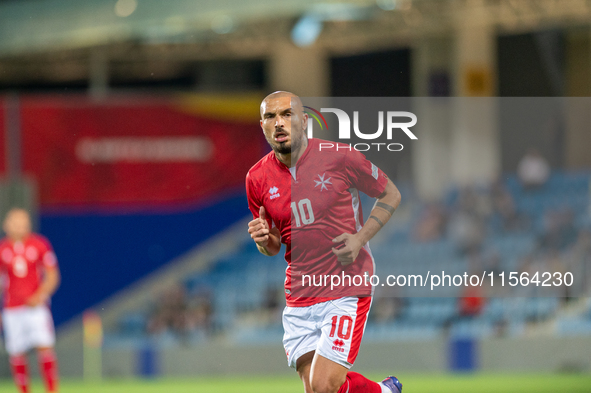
x=339 y=326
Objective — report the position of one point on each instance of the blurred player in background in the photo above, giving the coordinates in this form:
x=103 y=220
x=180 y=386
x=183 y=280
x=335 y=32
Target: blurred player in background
x=323 y=331
x=30 y=277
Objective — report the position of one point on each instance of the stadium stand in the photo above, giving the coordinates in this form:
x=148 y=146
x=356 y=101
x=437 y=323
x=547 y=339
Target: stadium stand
x=549 y=227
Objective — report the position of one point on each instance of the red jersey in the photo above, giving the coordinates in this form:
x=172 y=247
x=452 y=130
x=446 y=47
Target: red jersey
x=22 y=265
x=311 y=204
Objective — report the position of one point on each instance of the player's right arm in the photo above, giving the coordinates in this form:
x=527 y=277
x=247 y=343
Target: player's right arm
x=268 y=240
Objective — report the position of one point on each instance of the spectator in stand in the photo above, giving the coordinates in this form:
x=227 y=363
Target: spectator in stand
x=492 y=262
x=200 y=313
x=559 y=229
x=579 y=262
x=431 y=224
x=504 y=206
x=169 y=313
x=470 y=305
x=181 y=316
x=533 y=170
x=554 y=263
x=387 y=305
x=272 y=307
x=466 y=224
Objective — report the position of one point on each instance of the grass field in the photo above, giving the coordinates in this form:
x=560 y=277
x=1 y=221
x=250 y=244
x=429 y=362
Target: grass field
x=489 y=383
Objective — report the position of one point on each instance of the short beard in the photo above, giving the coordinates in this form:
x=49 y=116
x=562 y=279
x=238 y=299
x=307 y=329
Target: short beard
x=283 y=148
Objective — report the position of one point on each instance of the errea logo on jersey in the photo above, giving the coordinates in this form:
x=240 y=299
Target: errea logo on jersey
x=274 y=191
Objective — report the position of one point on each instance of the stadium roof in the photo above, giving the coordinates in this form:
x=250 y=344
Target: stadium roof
x=42 y=25
x=61 y=40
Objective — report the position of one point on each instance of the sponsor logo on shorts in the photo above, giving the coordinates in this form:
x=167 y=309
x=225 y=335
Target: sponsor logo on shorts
x=338 y=345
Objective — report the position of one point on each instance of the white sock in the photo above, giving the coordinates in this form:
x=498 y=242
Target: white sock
x=384 y=388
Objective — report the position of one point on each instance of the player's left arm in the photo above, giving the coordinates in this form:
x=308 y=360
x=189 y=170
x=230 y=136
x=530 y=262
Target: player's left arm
x=50 y=283
x=381 y=213
x=51 y=275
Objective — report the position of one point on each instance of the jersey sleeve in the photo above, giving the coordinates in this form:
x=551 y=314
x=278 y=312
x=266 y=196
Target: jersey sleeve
x=364 y=175
x=2 y=264
x=46 y=254
x=254 y=199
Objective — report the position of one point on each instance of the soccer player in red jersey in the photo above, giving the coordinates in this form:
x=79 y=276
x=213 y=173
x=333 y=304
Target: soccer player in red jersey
x=29 y=267
x=306 y=196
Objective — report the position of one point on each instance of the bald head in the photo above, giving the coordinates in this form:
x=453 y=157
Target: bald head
x=296 y=103
x=17 y=224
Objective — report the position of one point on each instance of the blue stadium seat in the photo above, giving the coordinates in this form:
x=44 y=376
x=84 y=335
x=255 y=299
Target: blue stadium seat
x=133 y=324
x=574 y=327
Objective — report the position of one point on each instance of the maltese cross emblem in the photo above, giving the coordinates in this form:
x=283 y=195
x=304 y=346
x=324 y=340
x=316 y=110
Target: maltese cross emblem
x=322 y=183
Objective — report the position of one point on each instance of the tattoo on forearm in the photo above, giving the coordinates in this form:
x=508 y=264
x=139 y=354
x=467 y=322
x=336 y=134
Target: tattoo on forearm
x=377 y=220
x=386 y=207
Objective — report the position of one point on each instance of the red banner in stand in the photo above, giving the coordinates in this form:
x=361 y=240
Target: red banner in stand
x=146 y=152
x=2 y=137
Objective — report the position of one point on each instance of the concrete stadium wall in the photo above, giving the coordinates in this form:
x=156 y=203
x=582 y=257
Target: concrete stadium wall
x=540 y=354
x=536 y=354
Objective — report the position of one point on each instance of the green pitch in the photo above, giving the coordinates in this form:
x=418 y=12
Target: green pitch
x=489 y=383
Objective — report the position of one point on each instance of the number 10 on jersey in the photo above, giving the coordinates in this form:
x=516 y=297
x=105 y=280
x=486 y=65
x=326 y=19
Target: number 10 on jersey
x=302 y=212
